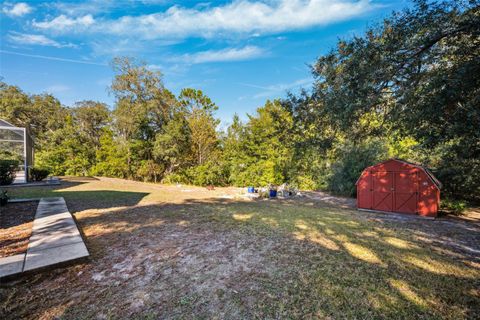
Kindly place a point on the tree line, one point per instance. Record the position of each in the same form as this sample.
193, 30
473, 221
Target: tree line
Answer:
409, 88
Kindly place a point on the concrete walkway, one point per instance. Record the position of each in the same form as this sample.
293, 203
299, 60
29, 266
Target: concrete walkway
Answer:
55, 239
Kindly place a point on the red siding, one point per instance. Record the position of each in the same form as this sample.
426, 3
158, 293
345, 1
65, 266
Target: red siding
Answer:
398, 186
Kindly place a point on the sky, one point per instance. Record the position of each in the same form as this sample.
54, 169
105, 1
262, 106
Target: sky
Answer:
240, 53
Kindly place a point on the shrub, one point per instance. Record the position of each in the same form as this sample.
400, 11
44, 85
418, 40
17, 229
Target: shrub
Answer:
38, 174
461, 178
149, 171
8, 170
456, 207
305, 183
3, 198
210, 173
351, 161
176, 177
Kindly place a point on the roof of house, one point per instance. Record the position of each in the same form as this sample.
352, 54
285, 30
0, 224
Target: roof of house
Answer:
5, 123
19, 131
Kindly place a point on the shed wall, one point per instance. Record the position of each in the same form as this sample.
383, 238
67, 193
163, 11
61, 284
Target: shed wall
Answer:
397, 186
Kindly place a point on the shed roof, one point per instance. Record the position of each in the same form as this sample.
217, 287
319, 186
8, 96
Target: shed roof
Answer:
416, 165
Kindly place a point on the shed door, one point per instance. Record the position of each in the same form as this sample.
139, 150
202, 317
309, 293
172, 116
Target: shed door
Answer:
405, 195
364, 191
382, 195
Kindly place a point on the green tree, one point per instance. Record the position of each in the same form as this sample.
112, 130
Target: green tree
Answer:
199, 111
15, 105
172, 147
233, 155
266, 148
350, 161
66, 152
111, 157
313, 139
91, 118
143, 107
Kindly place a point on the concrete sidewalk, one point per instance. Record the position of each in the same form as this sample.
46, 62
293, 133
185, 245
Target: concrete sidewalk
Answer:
55, 239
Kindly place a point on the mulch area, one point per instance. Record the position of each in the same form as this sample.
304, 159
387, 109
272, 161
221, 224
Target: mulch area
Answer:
16, 221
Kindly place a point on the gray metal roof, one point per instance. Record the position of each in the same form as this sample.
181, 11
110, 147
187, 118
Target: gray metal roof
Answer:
5, 123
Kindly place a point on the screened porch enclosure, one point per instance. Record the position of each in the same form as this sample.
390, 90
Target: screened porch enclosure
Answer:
16, 144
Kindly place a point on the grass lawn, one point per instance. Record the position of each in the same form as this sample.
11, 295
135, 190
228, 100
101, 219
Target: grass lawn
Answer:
185, 252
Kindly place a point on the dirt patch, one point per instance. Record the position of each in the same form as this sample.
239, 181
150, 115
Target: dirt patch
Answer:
16, 221
470, 215
343, 202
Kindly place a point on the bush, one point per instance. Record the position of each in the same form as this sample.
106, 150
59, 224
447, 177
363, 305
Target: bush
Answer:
456, 207
210, 173
3, 198
351, 161
461, 178
176, 177
149, 171
305, 183
8, 170
38, 174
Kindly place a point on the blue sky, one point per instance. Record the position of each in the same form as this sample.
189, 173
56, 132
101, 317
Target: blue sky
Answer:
240, 52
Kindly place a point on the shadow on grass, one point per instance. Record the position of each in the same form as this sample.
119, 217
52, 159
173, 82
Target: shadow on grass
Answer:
79, 200
302, 261
44, 191
100, 199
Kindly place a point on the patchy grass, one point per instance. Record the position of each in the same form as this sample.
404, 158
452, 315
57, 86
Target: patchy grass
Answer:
185, 252
16, 221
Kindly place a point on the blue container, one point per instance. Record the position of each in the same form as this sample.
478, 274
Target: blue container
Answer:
273, 193
251, 189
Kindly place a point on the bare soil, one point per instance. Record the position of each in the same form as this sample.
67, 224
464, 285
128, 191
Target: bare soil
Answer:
16, 221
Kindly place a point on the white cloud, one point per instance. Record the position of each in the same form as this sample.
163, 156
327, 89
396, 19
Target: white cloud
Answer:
84, 7
17, 10
112, 46
172, 70
37, 56
238, 17
63, 23
97, 6
115, 47
274, 90
223, 55
57, 88
37, 39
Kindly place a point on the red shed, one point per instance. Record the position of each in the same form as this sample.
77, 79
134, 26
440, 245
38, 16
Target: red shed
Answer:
398, 186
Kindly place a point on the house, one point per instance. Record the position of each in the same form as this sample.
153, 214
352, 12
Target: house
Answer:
17, 143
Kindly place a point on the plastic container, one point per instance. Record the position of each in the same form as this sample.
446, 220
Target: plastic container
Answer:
251, 189
273, 193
